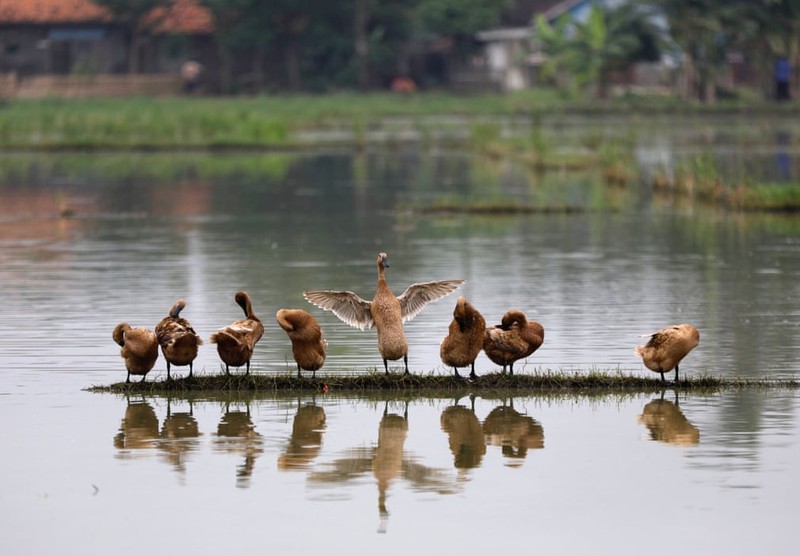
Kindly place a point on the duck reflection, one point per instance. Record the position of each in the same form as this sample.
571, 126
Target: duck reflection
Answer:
138, 430
666, 423
237, 435
514, 432
388, 461
464, 434
306, 440
178, 437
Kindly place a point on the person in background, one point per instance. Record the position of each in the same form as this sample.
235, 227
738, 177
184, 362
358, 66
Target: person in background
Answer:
190, 76
783, 72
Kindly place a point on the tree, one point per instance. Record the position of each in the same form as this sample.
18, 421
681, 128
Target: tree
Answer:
609, 40
137, 20
459, 20
776, 33
704, 31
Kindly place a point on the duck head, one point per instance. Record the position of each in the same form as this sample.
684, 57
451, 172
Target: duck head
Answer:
383, 260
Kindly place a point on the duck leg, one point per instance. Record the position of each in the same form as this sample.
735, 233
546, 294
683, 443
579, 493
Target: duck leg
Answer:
168, 377
472, 372
663, 380
386, 366
143, 377
676, 374
190, 368
455, 371
127, 381
511, 369
405, 362
247, 370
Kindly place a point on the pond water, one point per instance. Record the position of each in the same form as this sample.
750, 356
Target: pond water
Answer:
87, 241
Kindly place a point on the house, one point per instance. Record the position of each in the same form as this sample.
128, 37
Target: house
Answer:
511, 55
78, 38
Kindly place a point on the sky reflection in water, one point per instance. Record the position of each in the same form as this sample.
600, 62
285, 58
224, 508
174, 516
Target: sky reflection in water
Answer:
562, 475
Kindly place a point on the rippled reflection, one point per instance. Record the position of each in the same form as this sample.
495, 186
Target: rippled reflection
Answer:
138, 431
514, 432
237, 435
464, 434
306, 441
666, 423
387, 461
179, 437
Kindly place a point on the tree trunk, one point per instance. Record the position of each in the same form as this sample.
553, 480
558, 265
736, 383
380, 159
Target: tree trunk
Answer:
361, 43
688, 78
292, 60
259, 54
225, 68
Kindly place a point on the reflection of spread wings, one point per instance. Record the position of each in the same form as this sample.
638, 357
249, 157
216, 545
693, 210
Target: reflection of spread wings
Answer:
349, 307
416, 296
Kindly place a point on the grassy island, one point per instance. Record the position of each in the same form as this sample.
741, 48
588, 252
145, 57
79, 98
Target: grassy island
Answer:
378, 381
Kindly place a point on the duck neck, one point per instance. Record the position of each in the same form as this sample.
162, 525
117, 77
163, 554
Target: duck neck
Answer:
381, 275
247, 306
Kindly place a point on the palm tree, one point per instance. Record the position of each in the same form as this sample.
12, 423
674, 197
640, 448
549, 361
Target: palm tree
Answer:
609, 40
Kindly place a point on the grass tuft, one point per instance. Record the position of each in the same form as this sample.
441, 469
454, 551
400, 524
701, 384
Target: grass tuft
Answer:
376, 381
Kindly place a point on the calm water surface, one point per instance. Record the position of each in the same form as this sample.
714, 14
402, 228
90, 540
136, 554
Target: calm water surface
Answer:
88, 473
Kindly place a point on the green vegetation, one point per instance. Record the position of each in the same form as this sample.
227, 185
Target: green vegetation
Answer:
528, 128
701, 177
298, 121
611, 39
378, 381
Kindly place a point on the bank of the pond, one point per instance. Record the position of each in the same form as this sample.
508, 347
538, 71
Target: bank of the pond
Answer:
290, 121
378, 381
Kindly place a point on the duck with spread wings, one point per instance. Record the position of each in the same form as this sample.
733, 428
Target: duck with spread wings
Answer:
386, 312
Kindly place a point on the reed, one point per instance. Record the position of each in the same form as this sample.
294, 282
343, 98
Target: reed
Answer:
767, 197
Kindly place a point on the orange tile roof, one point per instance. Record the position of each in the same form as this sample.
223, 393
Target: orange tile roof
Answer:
185, 16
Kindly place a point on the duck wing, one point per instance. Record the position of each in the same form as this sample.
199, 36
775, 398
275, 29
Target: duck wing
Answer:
417, 296
349, 307
507, 341
660, 337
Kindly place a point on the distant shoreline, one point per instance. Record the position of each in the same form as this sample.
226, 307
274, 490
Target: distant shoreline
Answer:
292, 121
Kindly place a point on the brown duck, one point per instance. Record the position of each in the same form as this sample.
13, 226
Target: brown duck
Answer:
236, 342
177, 338
668, 347
308, 344
513, 339
464, 340
386, 312
139, 348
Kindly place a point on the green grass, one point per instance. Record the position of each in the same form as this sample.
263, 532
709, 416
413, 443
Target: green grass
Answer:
276, 121
552, 381
766, 197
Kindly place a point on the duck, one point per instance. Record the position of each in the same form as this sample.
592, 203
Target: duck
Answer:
464, 340
386, 312
177, 338
308, 344
236, 342
139, 348
667, 347
513, 339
